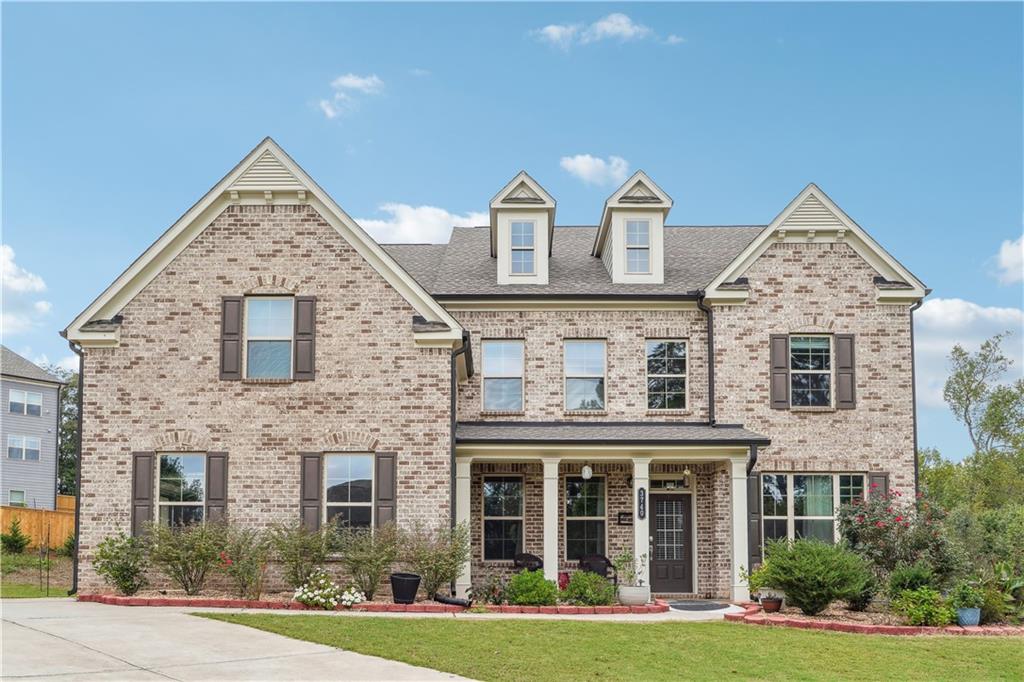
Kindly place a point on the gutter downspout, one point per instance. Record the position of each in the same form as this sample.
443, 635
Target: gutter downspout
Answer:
77, 348
464, 349
751, 459
913, 395
711, 355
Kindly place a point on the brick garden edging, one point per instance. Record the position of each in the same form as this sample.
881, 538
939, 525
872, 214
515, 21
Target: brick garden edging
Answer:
658, 606
753, 616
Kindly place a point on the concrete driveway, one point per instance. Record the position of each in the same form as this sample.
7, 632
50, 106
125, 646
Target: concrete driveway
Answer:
60, 639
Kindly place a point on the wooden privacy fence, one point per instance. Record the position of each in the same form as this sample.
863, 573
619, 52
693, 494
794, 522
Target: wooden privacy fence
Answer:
66, 503
36, 522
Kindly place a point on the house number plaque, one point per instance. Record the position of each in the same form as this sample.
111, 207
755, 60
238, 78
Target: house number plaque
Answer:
641, 503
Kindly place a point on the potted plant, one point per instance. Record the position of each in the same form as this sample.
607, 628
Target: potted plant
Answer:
757, 582
967, 600
632, 591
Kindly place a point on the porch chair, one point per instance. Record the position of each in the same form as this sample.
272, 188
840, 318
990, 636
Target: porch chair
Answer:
600, 564
530, 562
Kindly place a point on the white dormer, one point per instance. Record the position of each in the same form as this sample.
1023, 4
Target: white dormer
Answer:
631, 237
522, 223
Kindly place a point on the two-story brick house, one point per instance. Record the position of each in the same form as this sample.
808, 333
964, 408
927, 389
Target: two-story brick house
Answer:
681, 392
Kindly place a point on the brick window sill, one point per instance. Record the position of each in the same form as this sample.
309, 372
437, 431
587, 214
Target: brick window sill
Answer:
812, 409
267, 382
502, 413
585, 413
669, 413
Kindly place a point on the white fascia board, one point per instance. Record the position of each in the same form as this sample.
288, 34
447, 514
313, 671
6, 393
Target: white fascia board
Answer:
567, 303
664, 204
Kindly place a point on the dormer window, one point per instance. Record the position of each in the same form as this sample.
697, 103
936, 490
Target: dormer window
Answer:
638, 247
523, 248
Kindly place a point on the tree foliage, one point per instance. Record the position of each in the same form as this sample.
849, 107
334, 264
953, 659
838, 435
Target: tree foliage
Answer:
67, 441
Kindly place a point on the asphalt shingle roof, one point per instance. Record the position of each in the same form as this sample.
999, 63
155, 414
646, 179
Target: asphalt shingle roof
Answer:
13, 365
665, 433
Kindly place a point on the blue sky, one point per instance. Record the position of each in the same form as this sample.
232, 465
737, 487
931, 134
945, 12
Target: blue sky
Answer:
117, 117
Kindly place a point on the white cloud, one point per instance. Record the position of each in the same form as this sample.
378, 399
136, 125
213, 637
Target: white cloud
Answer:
68, 362
22, 308
418, 224
595, 170
673, 39
419, 73
369, 84
1010, 260
943, 322
615, 26
559, 35
346, 88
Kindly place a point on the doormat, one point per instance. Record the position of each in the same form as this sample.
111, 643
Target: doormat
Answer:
697, 605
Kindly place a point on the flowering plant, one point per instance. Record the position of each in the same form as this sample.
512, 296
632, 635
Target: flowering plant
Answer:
319, 591
244, 560
351, 597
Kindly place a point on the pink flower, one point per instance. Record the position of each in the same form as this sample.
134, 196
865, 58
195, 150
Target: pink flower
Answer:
874, 485
880, 524
898, 519
860, 518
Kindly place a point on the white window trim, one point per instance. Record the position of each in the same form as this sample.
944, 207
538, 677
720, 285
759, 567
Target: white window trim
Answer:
566, 376
790, 517
22, 443
484, 518
25, 401
628, 248
830, 371
11, 502
246, 338
566, 518
324, 507
521, 376
685, 375
156, 495
513, 248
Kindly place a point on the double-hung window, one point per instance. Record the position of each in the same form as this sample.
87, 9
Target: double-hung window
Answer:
666, 375
810, 371
584, 375
503, 517
584, 517
803, 505
349, 490
638, 247
269, 328
503, 376
23, 447
523, 247
25, 402
182, 484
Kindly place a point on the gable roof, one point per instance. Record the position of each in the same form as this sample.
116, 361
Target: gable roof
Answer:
265, 170
18, 367
639, 191
521, 192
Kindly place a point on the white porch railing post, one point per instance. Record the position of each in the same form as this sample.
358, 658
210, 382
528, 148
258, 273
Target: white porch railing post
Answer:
740, 591
463, 477
642, 527
551, 517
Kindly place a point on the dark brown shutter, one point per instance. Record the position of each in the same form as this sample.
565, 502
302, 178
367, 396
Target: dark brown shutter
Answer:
878, 485
779, 347
231, 337
216, 485
846, 398
305, 337
385, 484
143, 474
310, 489
754, 552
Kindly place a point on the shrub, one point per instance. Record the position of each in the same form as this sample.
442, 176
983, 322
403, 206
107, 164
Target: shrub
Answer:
368, 554
319, 591
966, 595
588, 589
437, 554
924, 606
185, 554
529, 588
121, 561
14, 542
862, 600
813, 574
910, 577
993, 605
68, 548
301, 551
244, 560
491, 591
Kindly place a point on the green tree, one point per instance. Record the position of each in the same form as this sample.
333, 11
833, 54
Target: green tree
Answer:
67, 441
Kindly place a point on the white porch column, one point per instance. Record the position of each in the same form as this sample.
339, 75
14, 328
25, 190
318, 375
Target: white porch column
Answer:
642, 527
551, 517
463, 470
740, 591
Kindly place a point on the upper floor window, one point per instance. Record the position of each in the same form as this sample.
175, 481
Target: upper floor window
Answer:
23, 447
584, 517
348, 482
16, 498
804, 505
269, 327
503, 375
666, 375
25, 402
810, 371
503, 517
638, 247
584, 375
182, 484
523, 248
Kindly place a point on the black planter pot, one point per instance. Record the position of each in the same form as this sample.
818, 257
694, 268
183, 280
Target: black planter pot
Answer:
404, 587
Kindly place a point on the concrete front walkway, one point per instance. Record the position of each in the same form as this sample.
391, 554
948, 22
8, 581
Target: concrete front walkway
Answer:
60, 639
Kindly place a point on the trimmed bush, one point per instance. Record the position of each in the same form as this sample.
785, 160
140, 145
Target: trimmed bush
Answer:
437, 555
121, 561
924, 606
244, 559
813, 574
491, 591
302, 551
14, 542
910, 577
529, 588
862, 600
588, 589
367, 555
185, 554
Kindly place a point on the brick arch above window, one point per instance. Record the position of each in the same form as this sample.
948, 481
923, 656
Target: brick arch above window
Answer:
349, 441
814, 323
272, 284
181, 440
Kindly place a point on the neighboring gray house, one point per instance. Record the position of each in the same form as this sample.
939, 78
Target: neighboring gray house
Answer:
28, 431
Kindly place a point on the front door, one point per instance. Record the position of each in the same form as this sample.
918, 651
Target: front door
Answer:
672, 546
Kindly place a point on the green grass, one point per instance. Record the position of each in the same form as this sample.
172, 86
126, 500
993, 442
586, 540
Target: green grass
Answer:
9, 590
575, 650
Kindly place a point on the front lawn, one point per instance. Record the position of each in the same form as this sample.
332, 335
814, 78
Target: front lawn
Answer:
548, 650
20, 576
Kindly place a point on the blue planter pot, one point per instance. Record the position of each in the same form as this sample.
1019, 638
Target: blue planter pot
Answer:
968, 617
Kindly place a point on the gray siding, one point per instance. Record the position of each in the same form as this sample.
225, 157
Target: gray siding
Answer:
37, 479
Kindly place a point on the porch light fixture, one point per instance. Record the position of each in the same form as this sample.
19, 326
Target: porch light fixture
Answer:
586, 473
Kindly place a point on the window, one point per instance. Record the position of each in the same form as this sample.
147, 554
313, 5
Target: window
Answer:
666, 375
810, 371
269, 324
803, 505
25, 402
584, 375
182, 489
23, 447
503, 517
638, 247
349, 490
16, 498
522, 248
503, 375
584, 517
